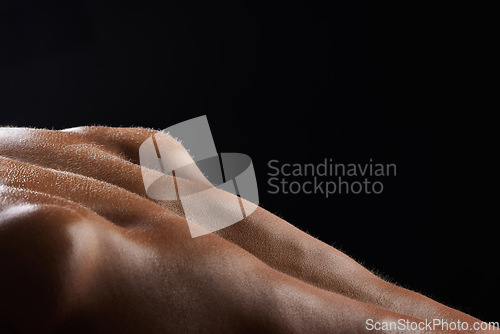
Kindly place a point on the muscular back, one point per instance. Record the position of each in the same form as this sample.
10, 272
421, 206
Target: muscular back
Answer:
82, 249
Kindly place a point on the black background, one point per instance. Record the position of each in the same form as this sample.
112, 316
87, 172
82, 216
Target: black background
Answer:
297, 82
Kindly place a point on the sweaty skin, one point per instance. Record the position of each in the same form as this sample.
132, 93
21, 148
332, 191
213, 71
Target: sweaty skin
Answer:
84, 250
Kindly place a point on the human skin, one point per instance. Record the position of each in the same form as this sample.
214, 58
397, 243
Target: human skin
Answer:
84, 250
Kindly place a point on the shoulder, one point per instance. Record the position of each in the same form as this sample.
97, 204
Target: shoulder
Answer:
36, 249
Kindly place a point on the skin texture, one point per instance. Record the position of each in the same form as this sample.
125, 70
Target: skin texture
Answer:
84, 250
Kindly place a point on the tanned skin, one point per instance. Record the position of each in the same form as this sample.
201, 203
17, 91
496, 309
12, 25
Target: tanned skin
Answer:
84, 250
